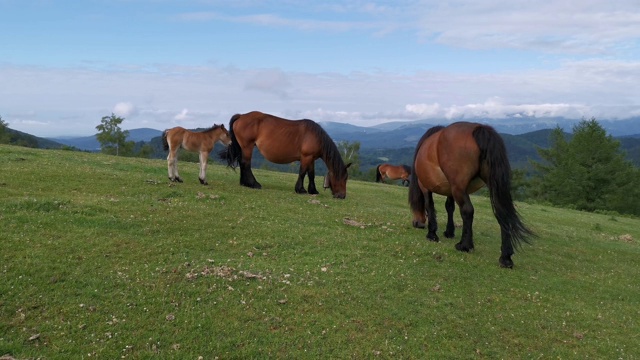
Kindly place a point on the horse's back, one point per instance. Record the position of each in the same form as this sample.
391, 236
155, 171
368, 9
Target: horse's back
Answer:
450, 159
174, 131
174, 136
279, 140
427, 167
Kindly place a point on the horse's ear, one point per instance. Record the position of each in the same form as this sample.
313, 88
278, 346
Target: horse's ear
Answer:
346, 167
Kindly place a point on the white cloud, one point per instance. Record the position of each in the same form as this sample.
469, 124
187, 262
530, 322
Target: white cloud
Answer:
272, 81
182, 116
273, 20
495, 108
425, 110
201, 96
124, 109
562, 26
559, 26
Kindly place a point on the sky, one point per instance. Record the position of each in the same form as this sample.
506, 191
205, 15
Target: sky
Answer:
193, 63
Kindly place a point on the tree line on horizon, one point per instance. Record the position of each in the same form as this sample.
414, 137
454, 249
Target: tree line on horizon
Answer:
586, 171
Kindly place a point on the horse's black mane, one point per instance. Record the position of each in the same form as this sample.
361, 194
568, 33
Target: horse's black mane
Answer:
407, 168
330, 152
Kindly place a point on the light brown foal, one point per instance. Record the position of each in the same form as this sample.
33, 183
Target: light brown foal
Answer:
201, 142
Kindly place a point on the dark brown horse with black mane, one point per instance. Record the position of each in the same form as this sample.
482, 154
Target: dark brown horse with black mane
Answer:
201, 142
456, 161
284, 141
393, 172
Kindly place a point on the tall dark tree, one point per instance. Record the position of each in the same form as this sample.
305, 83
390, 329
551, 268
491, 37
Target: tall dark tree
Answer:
5, 137
588, 172
113, 139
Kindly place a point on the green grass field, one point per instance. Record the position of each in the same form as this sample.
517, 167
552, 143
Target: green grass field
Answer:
102, 258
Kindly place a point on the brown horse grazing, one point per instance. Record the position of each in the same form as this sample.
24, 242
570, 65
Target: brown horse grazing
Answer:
456, 161
284, 141
393, 172
202, 142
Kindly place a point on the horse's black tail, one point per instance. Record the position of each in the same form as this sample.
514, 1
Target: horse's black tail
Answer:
378, 175
165, 143
408, 170
493, 153
416, 196
232, 153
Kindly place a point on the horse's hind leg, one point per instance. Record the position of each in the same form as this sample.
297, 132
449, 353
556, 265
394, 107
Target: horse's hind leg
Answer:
246, 175
203, 168
450, 206
432, 221
507, 251
466, 211
172, 166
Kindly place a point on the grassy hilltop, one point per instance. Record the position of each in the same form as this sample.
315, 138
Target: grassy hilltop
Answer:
103, 258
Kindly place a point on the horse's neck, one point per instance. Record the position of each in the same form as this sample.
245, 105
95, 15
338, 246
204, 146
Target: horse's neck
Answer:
215, 134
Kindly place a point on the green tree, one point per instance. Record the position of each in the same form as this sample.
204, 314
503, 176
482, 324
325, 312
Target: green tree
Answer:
113, 139
350, 152
588, 172
146, 151
5, 137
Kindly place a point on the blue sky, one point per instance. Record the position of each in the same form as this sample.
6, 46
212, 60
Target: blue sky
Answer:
191, 63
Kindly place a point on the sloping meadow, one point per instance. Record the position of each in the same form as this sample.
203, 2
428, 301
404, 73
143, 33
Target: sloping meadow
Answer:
102, 257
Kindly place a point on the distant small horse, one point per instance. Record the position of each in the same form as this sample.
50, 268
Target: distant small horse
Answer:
202, 142
456, 161
284, 141
393, 172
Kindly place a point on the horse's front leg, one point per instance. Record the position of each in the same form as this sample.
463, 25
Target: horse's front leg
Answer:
300, 183
172, 166
203, 168
312, 179
432, 221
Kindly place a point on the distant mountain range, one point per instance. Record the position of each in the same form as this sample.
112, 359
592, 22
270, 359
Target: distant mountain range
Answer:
513, 125
400, 133
394, 141
90, 143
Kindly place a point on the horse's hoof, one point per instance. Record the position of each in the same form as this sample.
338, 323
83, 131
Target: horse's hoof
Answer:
506, 262
449, 235
253, 186
461, 247
433, 237
203, 181
418, 224
301, 191
313, 192
178, 179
